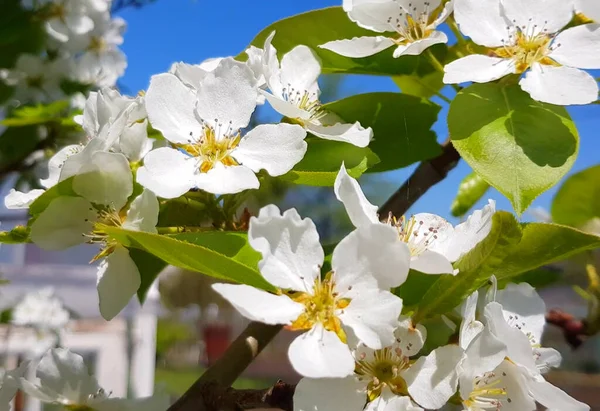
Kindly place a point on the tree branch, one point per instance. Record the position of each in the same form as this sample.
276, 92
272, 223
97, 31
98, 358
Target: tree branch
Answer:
428, 174
208, 394
574, 330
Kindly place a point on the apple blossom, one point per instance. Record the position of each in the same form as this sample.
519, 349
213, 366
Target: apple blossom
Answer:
345, 300
62, 378
294, 93
413, 22
387, 378
527, 38
432, 241
209, 151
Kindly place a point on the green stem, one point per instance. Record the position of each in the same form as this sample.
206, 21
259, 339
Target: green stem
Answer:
443, 97
434, 60
183, 229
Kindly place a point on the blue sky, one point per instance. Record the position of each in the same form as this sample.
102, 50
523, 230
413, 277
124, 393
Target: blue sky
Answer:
193, 30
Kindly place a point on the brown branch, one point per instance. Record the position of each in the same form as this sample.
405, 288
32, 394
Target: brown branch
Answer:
426, 175
574, 330
207, 394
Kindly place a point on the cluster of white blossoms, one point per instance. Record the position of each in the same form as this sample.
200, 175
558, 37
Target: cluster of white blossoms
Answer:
532, 39
62, 378
82, 46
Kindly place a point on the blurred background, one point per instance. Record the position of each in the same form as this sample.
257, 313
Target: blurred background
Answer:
184, 326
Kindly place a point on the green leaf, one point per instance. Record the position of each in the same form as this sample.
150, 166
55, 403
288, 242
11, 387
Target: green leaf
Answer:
538, 278
38, 114
64, 188
475, 268
470, 191
149, 267
544, 244
11, 154
18, 235
219, 254
317, 27
518, 145
578, 200
425, 80
182, 211
401, 125
20, 32
323, 159
414, 288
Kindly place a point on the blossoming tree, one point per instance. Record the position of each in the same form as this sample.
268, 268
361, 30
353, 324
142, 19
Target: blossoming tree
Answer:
162, 178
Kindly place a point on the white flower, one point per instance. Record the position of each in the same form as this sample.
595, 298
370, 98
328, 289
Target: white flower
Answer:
589, 8
526, 37
414, 23
36, 79
42, 310
70, 221
99, 61
66, 18
63, 379
328, 307
205, 128
9, 384
295, 94
385, 378
432, 241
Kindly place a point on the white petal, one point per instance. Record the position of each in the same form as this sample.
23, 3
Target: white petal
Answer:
410, 338
481, 20
522, 306
360, 210
578, 47
56, 163
66, 374
191, 75
553, 397
589, 8
118, 281
477, 68
372, 250
223, 179
444, 14
354, 134
546, 359
134, 142
358, 47
328, 394
258, 305
432, 380
167, 172
228, 95
300, 69
430, 262
560, 85
292, 254
74, 162
276, 148
285, 108
518, 346
319, 353
373, 316
107, 180
483, 355
63, 224
170, 105
469, 327
143, 213
469, 233
388, 401
16, 200
547, 16
373, 15
417, 47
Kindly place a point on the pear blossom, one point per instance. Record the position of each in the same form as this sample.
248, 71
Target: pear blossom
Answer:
204, 127
105, 184
36, 78
62, 378
528, 38
413, 22
389, 379
434, 244
589, 9
294, 93
345, 300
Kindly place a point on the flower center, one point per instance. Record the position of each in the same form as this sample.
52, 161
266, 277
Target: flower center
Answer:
413, 24
488, 393
321, 307
213, 148
107, 217
56, 11
383, 369
525, 50
97, 44
35, 81
304, 100
416, 234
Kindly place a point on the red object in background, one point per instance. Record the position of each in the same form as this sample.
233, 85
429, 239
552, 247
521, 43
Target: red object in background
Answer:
216, 340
